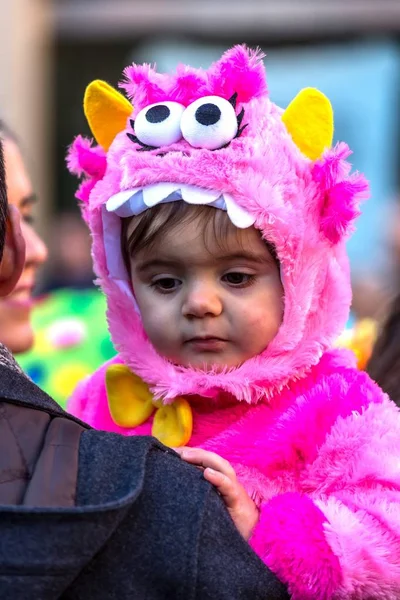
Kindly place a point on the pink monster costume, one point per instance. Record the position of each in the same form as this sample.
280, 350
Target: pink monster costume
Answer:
314, 441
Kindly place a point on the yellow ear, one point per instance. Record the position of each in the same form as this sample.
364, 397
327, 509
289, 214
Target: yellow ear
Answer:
106, 111
309, 120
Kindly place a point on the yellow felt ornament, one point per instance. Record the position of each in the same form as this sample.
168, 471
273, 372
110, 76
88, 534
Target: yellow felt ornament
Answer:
309, 120
129, 398
173, 423
106, 111
131, 404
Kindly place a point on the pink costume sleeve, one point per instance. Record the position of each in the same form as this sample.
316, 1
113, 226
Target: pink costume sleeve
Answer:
340, 537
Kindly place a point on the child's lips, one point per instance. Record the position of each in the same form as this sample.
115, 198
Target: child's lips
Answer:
207, 343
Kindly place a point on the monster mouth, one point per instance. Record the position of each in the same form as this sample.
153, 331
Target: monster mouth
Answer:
136, 200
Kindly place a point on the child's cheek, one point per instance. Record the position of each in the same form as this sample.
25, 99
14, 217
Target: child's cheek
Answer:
262, 323
158, 320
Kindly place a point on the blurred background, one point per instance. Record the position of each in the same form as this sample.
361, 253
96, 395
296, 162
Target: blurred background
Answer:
350, 49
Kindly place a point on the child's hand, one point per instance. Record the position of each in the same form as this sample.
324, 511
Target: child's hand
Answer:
221, 474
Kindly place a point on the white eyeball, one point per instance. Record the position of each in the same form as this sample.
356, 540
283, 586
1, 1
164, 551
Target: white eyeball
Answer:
209, 122
159, 124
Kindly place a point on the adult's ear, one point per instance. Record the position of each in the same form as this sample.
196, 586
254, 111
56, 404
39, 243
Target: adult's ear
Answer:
13, 259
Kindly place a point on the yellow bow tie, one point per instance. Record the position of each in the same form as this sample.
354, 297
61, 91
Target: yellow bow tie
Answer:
131, 403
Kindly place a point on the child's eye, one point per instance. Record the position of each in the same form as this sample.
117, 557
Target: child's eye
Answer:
238, 279
166, 284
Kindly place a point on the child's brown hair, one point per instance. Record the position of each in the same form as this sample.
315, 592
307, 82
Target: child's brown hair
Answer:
154, 222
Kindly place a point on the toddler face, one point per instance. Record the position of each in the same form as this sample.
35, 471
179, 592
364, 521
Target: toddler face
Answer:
204, 304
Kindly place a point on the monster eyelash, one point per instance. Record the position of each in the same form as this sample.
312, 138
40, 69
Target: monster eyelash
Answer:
144, 147
233, 99
240, 116
239, 131
239, 120
135, 139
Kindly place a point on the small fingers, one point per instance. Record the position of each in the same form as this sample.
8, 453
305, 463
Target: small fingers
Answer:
229, 489
206, 459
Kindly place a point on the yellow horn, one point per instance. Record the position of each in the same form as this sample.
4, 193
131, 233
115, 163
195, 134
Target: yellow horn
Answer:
309, 120
106, 111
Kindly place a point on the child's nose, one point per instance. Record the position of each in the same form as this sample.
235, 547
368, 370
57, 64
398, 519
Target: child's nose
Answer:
201, 301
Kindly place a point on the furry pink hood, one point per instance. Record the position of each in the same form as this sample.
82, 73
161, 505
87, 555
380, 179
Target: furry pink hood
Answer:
273, 164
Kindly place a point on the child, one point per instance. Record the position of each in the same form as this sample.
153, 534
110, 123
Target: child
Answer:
219, 224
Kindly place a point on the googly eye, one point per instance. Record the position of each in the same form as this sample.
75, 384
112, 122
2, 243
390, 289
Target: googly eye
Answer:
159, 124
209, 122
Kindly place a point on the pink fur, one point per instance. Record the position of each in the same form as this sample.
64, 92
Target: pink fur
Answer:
343, 193
297, 206
312, 440
281, 194
239, 71
321, 459
290, 539
144, 85
85, 159
187, 85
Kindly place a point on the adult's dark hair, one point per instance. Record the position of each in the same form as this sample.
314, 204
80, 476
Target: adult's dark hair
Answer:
5, 134
3, 201
384, 364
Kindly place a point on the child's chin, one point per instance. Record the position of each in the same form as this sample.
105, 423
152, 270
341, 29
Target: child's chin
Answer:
213, 366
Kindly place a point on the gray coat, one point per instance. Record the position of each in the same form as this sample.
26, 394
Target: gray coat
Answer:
87, 515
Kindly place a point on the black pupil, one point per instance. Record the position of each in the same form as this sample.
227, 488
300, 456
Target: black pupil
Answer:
157, 114
167, 283
235, 277
208, 114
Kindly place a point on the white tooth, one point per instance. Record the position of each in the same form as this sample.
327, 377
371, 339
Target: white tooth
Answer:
134, 201
157, 192
125, 210
119, 199
220, 203
195, 195
239, 217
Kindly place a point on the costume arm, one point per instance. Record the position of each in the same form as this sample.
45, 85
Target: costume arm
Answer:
341, 540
